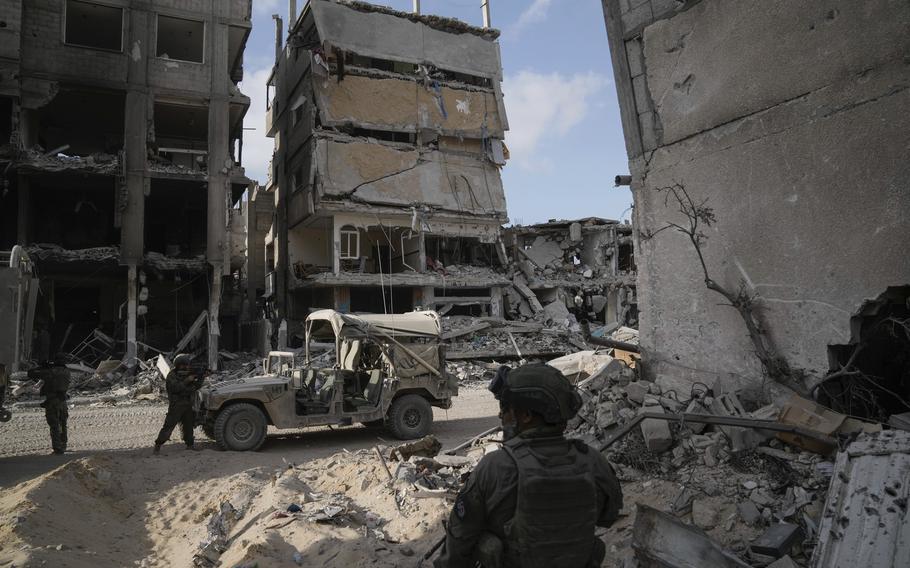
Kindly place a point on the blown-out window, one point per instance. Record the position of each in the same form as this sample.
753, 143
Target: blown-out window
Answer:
93, 25
180, 39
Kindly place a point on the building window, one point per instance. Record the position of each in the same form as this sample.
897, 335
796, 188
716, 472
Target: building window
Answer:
297, 180
180, 39
350, 243
94, 25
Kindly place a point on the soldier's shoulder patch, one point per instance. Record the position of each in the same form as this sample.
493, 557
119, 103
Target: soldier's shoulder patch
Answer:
460, 508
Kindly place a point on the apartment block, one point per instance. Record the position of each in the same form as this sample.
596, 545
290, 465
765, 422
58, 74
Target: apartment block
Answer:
121, 149
388, 130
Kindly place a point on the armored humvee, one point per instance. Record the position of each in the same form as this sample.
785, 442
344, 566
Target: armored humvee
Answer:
389, 370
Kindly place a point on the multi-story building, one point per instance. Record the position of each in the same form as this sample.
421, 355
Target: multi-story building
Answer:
121, 133
388, 131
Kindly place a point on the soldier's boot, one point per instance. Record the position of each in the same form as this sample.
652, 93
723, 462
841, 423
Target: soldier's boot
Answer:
157, 450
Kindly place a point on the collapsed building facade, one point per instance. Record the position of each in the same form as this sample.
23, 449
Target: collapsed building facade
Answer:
120, 145
590, 259
388, 133
793, 133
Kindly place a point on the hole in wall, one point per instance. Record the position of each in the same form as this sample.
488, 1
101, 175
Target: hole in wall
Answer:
870, 375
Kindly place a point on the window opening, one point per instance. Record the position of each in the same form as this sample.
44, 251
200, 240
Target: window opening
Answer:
180, 39
94, 25
350, 243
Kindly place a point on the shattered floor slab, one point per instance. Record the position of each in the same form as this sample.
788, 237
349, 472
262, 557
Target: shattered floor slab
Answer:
865, 520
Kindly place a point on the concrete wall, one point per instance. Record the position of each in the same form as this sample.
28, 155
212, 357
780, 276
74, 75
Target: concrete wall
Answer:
392, 175
391, 37
407, 105
45, 53
790, 118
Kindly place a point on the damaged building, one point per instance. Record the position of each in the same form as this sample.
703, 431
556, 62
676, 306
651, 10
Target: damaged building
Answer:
590, 259
388, 131
789, 138
120, 146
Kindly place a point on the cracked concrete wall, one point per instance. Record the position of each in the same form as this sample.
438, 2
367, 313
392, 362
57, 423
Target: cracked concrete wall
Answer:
386, 36
406, 105
790, 119
401, 175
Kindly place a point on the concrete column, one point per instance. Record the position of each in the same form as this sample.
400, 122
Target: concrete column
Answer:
422, 253
496, 310
342, 299
131, 294
135, 135
428, 297
220, 165
23, 215
135, 132
214, 328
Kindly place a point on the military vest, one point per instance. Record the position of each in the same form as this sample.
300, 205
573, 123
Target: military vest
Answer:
556, 511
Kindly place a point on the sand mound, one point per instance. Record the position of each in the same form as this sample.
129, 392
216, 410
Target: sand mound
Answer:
185, 509
350, 515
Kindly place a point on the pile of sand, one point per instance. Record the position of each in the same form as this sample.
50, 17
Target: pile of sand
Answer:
132, 510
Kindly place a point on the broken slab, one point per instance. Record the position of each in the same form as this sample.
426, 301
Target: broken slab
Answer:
662, 541
557, 312
581, 364
544, 251
527, 293
658, 437
865, 515
728, 404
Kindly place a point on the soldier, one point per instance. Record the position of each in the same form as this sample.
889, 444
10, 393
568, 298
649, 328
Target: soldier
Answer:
181, 383
5, 415
536, 502
56, 381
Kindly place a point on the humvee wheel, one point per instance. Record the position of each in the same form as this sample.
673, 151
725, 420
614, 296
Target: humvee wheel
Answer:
410, 417
240, 427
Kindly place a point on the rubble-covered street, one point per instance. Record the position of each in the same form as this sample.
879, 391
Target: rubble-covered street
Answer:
357, 284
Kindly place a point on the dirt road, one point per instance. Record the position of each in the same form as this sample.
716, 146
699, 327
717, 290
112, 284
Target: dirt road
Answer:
25, 443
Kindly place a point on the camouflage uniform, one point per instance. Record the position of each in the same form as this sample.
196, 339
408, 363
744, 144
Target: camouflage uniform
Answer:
182, 384
56, 382
535, 503
4, 380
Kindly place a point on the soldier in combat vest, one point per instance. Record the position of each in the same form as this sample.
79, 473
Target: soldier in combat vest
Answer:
56, 381
537, 502
181, 383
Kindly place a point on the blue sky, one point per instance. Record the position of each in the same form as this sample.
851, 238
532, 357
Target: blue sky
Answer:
565, 139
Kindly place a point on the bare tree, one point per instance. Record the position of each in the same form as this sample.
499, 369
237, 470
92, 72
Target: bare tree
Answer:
699, 215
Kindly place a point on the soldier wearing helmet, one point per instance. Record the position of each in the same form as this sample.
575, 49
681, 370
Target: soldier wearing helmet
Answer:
537, 502
181, 383
55, 379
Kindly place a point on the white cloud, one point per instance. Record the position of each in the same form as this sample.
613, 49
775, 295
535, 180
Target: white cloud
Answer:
535, 13
545, 104
270, 6
257, 147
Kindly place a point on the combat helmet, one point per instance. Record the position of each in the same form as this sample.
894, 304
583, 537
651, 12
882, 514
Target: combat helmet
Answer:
540, 388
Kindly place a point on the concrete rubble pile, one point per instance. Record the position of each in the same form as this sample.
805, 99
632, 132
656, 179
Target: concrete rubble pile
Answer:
478, 346
110, 382
755, 494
